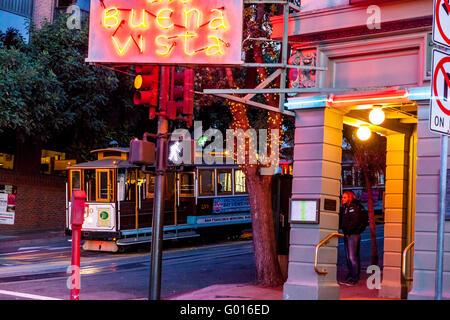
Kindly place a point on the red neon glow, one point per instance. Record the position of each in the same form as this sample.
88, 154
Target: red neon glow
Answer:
218, 22
122, 49
109, 17
162, 16
143, 24
376, 97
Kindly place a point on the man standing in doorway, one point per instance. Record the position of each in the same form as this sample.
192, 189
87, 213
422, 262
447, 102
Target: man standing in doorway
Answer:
353, 220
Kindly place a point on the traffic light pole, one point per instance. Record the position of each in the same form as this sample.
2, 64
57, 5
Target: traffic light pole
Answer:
158, 205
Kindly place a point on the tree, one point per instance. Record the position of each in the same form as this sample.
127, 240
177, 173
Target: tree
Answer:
50, 95
256, 25
370, 159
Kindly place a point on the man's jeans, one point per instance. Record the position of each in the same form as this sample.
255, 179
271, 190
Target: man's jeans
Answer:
351, 246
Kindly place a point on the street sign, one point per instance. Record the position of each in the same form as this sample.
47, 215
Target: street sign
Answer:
440, 93
167, 32
441, 23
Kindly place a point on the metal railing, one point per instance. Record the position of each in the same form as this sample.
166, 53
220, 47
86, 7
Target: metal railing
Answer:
321, 243
405, 253
19, 7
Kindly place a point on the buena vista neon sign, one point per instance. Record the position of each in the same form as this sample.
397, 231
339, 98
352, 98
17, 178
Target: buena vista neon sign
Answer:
166, 31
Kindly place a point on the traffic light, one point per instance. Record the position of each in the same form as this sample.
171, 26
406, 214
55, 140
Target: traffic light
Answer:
146, 83
182, 96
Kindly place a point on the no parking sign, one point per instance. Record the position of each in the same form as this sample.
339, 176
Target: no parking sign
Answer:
440, 93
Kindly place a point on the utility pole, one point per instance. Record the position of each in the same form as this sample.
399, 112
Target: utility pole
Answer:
158, 204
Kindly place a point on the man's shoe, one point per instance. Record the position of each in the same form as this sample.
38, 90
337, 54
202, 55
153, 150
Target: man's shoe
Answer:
350, 283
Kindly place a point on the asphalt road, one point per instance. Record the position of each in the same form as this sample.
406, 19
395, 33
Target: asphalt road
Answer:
40, 271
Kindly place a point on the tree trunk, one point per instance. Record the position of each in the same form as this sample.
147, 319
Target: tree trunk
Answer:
373, 232
266, 261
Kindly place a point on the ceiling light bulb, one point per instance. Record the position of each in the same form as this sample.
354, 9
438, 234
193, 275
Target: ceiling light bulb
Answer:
363, 133
376, 116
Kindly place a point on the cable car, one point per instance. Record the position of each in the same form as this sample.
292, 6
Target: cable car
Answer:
198, 200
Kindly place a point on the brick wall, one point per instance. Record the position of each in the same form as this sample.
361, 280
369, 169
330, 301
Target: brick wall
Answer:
43, 10
40, 202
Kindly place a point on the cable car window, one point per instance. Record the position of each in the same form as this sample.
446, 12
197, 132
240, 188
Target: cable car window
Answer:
74, 181
75, 178
186, 184
121, 179
104, 185
239, 181
150, 186
207, 182
224, 181
90, 184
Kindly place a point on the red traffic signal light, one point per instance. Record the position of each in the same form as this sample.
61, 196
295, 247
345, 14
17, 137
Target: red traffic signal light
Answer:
147, 82
182, 96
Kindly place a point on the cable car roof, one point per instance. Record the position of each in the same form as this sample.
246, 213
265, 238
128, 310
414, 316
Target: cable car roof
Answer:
104, 164
127, 150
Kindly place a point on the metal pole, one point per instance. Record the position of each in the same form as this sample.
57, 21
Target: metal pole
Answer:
441, 222
284, 53
158, 204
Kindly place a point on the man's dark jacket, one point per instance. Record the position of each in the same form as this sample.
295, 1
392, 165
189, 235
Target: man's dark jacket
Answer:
353, 218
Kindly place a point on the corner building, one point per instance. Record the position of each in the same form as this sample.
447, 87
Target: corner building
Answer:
369, 63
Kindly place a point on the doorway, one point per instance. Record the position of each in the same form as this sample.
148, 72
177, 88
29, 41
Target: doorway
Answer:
393, 191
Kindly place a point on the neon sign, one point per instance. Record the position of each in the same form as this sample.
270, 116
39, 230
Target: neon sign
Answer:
166, 31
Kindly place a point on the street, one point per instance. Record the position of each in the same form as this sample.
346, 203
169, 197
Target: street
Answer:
39, 272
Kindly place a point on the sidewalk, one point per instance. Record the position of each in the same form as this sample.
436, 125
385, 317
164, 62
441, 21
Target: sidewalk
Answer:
232, 292
254, 292
24, 238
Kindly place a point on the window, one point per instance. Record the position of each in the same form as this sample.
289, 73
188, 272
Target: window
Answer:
207, 182
347, 176
54, 162
186, 181
75, 181
239, 181
150, 185
6, 161
90, 184
104, 185
224, 181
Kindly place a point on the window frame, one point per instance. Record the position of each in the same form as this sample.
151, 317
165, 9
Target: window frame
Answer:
110, 187
235, 180
71, 181
213, 180
224, 170
186, 195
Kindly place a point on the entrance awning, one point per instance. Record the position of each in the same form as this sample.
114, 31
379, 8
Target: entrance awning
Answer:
361, 98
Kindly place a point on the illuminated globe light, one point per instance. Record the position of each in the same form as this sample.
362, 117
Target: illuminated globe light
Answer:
376, 116
363, 133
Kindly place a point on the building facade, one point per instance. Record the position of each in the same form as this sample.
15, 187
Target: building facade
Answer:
376, 54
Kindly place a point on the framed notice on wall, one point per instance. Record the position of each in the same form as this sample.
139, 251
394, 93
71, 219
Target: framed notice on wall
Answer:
304, 211
7, 204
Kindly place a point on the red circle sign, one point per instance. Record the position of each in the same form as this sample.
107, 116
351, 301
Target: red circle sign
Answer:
440, 67
438, 19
